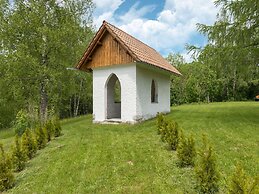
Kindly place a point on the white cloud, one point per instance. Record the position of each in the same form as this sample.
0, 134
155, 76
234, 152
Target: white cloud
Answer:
174, 27
135, 12
105, 10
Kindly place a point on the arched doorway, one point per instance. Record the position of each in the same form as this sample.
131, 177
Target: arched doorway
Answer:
113, 97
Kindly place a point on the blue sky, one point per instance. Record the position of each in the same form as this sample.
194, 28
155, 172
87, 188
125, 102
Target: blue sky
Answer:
166, 25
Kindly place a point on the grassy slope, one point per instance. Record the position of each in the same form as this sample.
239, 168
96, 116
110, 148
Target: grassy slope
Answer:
92, 158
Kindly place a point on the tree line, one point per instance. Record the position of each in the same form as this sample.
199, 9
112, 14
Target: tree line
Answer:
227, 68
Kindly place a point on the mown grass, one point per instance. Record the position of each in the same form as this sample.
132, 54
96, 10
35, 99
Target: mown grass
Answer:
92, 158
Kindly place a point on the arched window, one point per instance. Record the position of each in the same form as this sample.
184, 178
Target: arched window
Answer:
154, 95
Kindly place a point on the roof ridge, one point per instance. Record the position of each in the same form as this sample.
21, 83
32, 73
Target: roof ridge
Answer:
121, 41
129, 35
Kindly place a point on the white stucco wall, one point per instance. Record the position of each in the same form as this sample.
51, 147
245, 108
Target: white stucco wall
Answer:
145, 74
135, 80
127, 77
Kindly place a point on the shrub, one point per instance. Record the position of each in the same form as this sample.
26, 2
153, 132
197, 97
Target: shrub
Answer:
57, 127
29, 145
49, 129
21, 122
161, 122
186, 151
41, 137
240, 183
207, 176
18, 156
163, 131
172, 134
6, 175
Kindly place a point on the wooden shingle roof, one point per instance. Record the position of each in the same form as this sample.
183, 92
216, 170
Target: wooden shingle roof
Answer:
138, 50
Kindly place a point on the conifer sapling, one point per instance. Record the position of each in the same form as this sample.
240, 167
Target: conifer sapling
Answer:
41, 137
160, 122
207, 176
29, 145
18, 156
241, 183
57, 127
6, 175
186, 152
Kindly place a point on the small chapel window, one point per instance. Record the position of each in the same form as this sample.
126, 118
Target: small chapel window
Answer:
154, 95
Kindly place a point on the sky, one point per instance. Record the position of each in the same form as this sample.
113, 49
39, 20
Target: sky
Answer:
165, 25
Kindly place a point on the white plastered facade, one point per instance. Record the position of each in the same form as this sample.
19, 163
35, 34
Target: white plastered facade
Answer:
135, 81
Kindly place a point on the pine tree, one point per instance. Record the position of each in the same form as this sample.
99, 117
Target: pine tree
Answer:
6, 175
207, 176
29, 145
41, 137
172, 135
186, 151
163, 131
240, 183
161, 122
18, 156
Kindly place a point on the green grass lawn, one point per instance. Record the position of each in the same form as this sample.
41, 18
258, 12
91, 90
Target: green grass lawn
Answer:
92, 158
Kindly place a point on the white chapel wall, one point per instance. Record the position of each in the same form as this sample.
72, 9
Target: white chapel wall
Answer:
145, 108
127, 77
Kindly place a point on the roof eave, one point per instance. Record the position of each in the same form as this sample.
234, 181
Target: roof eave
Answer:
164, 69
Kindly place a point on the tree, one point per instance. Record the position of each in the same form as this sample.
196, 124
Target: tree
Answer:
29, 145
18, 156
240, 183
207, 176
41, 137
160, 121
186, 151
57, 127
6, 174
172, 134
233, 48
39, 39
175, 59
21, 122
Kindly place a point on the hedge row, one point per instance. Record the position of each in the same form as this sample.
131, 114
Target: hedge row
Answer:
25, 147
206, 170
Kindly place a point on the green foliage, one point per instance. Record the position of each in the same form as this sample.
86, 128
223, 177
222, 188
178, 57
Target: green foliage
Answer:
207, 175
49, 128
227, 67
163, 131
240, 183
39, 40
232, 50
161, 122
18, 156
172, 134
6, 175
175, 59
21, 122
41, 137
57, 127
29, 144
186, 152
